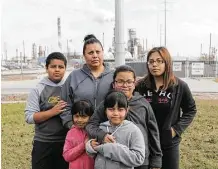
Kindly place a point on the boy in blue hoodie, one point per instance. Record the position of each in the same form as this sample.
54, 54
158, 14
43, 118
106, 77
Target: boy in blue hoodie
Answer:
42, 109
129, 149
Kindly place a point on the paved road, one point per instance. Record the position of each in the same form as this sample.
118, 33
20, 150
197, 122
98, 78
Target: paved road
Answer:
16, 87
202, 85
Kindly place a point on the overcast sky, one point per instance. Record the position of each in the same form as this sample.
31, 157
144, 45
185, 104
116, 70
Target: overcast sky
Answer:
189, 23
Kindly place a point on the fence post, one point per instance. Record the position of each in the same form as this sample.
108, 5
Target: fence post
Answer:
187, 68
216, 72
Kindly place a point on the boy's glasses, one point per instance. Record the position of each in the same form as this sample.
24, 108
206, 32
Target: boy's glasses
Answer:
120, 83
158, 62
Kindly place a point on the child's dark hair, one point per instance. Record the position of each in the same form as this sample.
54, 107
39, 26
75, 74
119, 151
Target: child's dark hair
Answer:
83, 107
124, 68
114, 97
90, 39
55, 55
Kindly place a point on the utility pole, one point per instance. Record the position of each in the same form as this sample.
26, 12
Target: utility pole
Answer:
209, 49
21, 65
160, 34
201, 50
216, 73
5, 51
165, 23
24, 51
17, 55
59, 34
119, 33
2, 59
67, 49
103, 39
143, 43
6, 54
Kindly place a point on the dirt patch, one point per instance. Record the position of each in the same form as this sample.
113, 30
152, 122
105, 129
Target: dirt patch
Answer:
18, 77
206, 96
216, 80
13, 97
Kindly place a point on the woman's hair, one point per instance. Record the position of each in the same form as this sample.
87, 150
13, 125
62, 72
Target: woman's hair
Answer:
90, 39
168, 75
115, 97
83, 107
124, 68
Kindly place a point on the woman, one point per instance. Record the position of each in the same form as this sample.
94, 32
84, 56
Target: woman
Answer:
140, 113
167, 95
91, 82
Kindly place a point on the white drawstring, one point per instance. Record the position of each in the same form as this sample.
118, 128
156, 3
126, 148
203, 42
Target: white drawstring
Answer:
115, 130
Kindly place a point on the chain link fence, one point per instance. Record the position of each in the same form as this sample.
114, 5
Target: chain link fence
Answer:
192, 69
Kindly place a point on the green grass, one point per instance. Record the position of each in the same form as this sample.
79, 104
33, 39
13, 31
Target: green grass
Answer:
16, 137
199, 147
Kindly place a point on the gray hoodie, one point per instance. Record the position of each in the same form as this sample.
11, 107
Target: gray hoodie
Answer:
141, 114
126, 153
42, 98
81, 84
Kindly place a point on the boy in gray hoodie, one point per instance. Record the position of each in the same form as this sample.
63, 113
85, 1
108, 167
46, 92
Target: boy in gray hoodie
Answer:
128, 150
42, 109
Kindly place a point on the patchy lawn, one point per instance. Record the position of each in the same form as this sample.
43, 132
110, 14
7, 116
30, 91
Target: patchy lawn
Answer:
199, 147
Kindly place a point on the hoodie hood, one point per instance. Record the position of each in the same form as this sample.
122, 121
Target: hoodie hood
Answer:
107, 124
116, 130
134, 100
48, 82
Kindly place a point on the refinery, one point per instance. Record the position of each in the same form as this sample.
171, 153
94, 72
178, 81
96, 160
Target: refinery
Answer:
135, 50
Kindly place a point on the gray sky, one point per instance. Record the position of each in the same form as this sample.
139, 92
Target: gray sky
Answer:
189, 23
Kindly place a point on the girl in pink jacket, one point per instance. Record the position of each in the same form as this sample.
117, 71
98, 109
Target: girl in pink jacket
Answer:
74, 148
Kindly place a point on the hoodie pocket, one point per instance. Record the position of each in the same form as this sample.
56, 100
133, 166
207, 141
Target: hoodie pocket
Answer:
166, 137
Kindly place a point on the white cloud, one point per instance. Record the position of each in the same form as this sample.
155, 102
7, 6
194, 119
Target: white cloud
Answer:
189, 23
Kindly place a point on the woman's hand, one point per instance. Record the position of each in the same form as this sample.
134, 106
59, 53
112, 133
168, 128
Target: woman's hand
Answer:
173, 132
94, 144
109, 139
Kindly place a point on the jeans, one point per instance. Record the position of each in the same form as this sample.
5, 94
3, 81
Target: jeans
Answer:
170, 159
142, 167
48, 155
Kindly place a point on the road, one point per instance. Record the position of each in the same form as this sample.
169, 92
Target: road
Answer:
16, 87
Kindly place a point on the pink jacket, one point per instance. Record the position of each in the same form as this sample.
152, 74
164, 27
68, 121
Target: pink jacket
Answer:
74, 150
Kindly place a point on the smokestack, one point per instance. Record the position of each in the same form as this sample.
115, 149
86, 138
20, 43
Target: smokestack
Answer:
34, 51
17, 54
40, 51
59, 34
